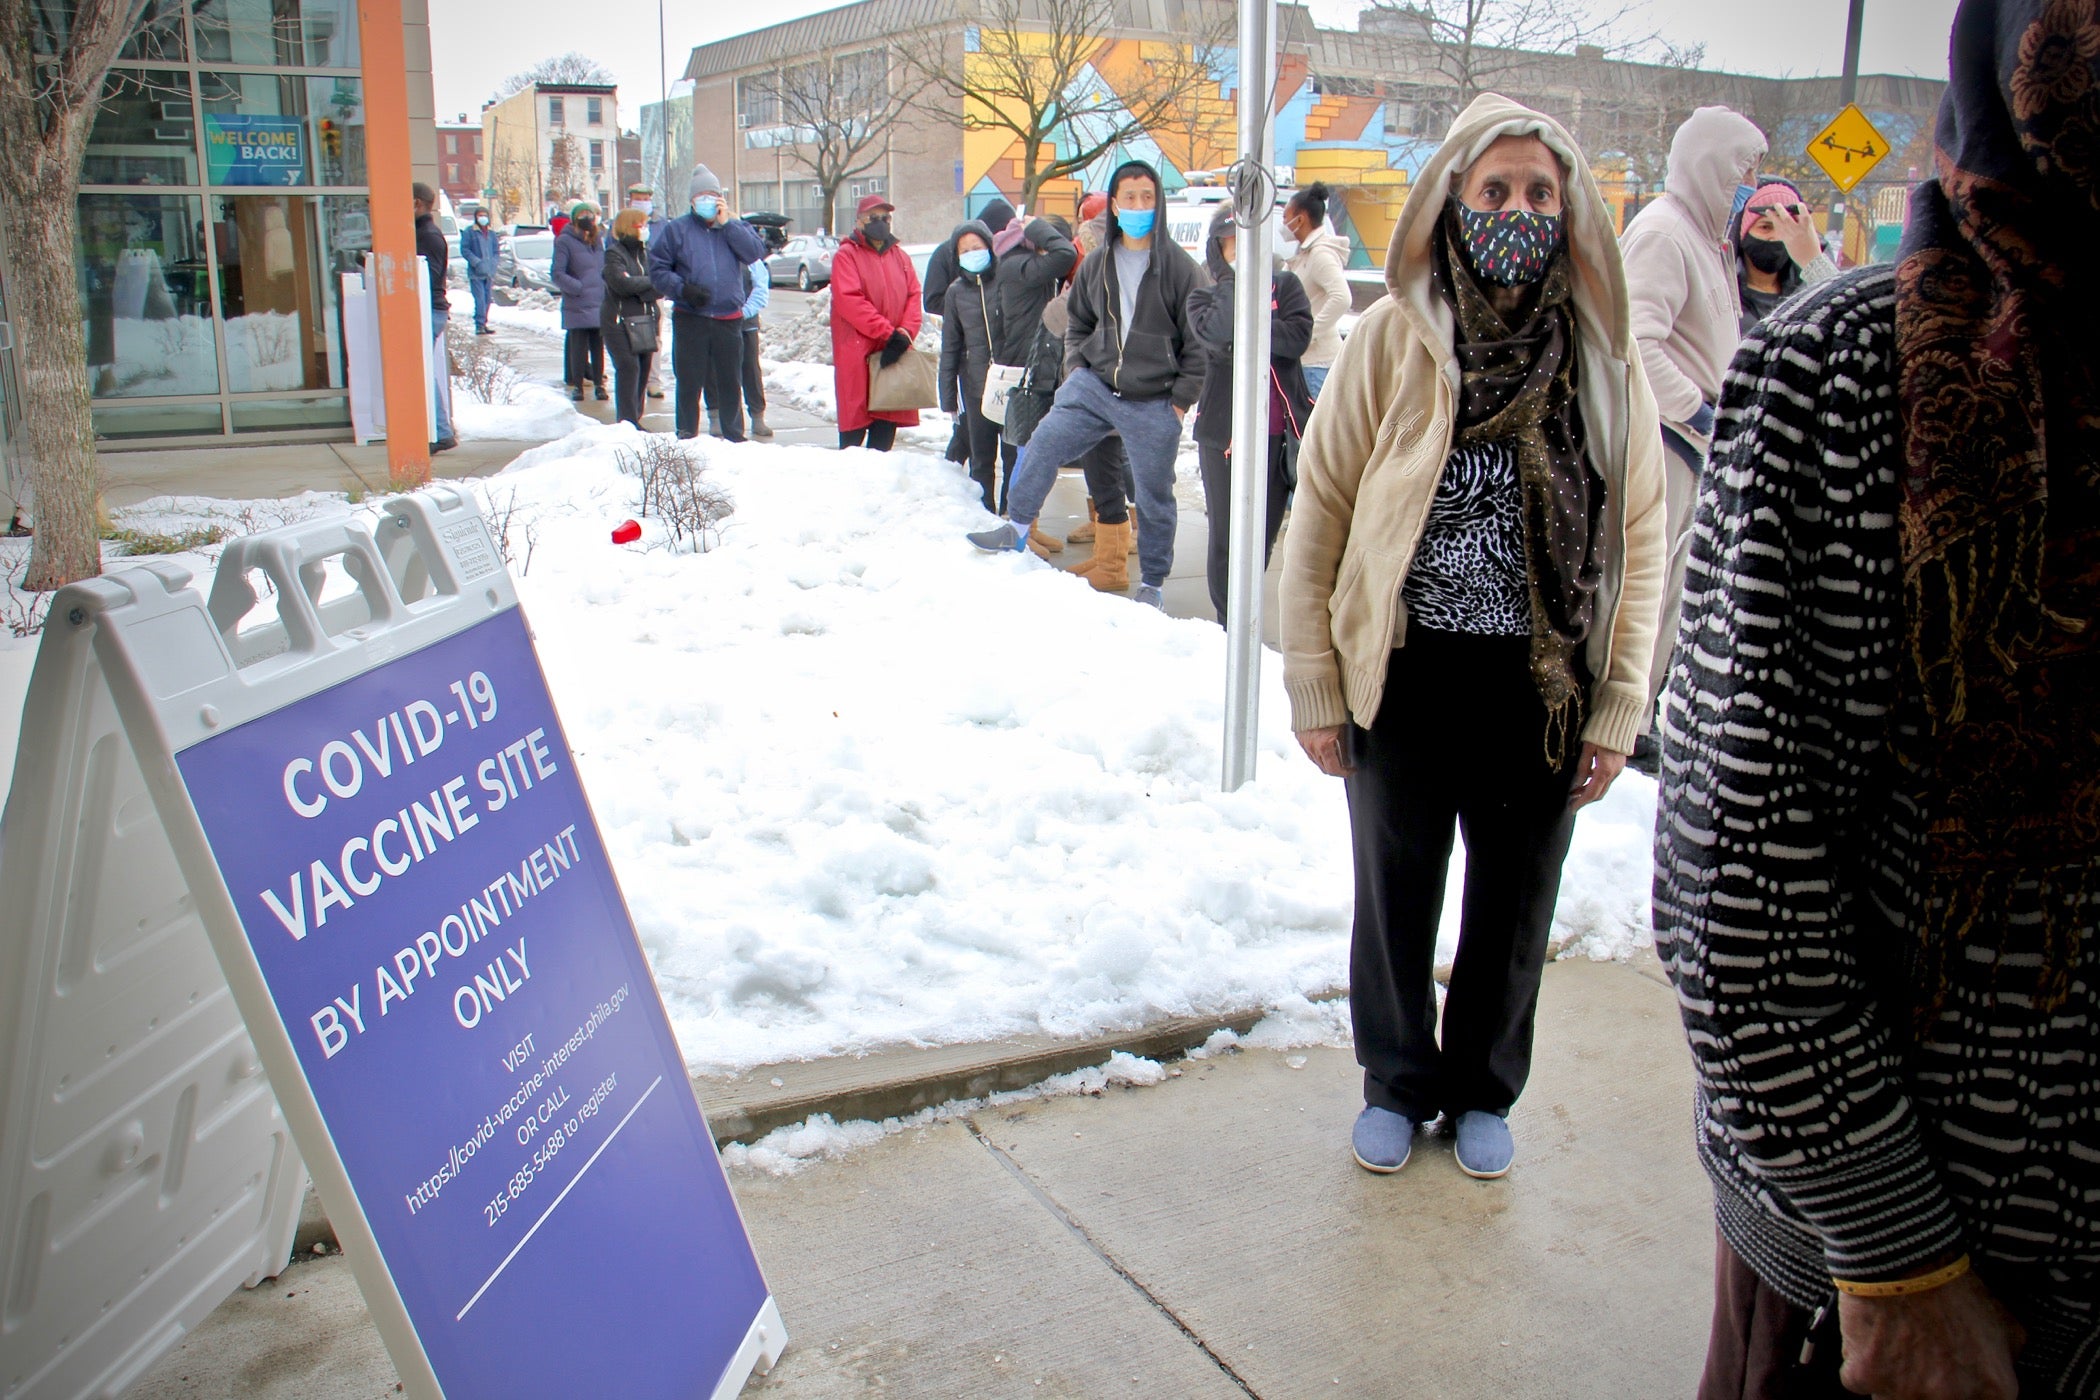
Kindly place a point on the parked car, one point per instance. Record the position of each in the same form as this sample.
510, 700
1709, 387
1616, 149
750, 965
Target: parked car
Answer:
527, 260
804, 260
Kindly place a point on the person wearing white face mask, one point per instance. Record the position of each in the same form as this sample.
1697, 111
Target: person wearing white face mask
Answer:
1320, 260
643, 199
481, 247
697, 263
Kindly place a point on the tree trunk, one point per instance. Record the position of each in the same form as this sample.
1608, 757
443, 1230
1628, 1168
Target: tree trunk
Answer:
56, 439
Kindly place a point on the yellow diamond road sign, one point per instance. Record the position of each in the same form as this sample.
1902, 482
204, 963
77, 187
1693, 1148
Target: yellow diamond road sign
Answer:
1848, 148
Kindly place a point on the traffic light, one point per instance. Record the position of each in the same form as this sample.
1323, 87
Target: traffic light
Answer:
331, 139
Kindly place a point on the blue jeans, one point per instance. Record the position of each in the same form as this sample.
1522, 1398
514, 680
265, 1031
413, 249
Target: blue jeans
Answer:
479, 286
1315, 376
441, 374
1085, 412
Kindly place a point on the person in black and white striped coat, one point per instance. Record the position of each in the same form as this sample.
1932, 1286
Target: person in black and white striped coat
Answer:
1878, 840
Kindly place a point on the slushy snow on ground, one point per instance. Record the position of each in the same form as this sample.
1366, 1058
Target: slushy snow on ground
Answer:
865, 786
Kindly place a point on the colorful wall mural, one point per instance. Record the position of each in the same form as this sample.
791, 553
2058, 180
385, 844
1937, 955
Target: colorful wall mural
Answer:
1343, 139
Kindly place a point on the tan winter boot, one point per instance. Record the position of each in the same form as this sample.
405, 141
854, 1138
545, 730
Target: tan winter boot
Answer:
1043, 542
1110, 571
1084, 534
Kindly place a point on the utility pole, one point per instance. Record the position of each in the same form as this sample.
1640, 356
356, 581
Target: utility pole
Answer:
663, 82
1848, 92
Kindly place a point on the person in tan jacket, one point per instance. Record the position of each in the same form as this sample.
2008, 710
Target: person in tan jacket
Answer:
1320, 263
1470, 588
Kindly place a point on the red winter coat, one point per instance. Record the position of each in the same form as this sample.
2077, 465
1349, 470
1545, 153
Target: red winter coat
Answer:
872, 294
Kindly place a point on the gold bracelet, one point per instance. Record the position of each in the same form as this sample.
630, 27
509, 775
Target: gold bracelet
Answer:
1904, 1287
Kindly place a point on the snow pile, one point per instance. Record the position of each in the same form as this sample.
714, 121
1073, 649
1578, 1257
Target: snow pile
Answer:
539, 320
865, 786
805, 338
536, 413
819, 1138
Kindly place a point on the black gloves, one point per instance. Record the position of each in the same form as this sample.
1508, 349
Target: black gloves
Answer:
893, 350
695, 295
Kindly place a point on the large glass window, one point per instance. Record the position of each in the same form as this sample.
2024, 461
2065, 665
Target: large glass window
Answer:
287, 33
145, 132
266, 129
145, 295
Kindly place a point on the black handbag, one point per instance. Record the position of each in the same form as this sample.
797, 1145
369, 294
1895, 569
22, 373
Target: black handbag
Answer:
641, 333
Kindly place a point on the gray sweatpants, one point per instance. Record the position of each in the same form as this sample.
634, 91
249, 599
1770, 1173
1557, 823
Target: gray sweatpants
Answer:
1085, 412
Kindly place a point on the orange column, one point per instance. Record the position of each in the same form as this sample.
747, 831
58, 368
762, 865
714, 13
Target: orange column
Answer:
390, 169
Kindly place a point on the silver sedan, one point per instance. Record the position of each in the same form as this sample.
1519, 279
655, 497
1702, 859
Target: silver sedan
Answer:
804, 260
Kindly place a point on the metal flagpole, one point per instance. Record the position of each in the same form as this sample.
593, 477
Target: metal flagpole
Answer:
1848, 90
1254, 198
663, 119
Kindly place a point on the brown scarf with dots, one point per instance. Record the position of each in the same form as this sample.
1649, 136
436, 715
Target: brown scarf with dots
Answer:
1517, 386
1996, 301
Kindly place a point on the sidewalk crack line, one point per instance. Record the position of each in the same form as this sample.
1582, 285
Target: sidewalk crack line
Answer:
1065, 1218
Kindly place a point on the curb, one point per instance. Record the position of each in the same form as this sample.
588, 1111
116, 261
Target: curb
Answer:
893, 1083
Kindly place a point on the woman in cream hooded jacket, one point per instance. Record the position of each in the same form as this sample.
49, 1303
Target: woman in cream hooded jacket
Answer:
1456, 732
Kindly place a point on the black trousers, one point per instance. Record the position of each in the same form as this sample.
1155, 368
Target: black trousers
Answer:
1107, 471
878, 436
1217, 511
707, 353
583, 357
986, 454
754, 376
1458, 744
630, 378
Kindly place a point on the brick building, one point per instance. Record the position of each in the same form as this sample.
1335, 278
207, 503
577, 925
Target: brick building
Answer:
459, 159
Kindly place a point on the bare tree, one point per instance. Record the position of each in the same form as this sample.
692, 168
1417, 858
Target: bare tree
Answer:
1027, 77
1488, 45
836, 113
1202, 122
561, 70
51, 85
567, 174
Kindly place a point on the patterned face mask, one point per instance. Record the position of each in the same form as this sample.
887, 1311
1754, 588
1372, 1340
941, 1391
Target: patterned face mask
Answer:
1510, 247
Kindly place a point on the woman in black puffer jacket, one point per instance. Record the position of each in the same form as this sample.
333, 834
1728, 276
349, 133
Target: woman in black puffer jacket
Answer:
967, 337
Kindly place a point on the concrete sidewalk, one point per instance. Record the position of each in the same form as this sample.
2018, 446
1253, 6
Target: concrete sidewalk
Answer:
1208, 1237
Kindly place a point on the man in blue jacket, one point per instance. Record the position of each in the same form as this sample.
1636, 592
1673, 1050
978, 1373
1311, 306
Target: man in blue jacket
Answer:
697, 262
482, 247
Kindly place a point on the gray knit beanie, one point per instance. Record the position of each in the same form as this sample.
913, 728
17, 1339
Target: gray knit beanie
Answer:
703, 182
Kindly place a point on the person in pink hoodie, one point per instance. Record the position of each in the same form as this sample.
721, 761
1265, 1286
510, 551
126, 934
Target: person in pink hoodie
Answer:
1687, 314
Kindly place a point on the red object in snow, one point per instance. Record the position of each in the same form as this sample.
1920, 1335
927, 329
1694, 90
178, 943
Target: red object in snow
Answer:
627, 532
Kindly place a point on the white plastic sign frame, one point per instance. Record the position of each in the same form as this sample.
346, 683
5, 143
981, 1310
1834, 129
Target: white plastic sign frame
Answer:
381, 823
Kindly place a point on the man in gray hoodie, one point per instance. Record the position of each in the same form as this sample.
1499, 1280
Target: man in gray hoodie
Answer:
1133, 368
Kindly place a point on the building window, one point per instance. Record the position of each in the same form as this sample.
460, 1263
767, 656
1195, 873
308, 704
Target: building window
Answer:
757, 196
554, 112
451, 174
757, 101
145, 132
597, 156
284, 33
451, 144
594, 111
262, 129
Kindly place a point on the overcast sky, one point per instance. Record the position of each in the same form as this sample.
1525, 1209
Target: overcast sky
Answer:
478, 42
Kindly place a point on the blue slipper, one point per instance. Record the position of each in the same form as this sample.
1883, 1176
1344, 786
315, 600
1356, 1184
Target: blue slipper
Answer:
1484, 1148
1382, 1140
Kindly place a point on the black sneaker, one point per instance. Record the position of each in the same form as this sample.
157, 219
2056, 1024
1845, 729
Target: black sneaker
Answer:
444, 444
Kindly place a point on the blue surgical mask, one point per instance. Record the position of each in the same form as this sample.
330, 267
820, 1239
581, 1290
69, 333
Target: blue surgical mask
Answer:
976, 260
647, 206
706, 207
1137, 223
